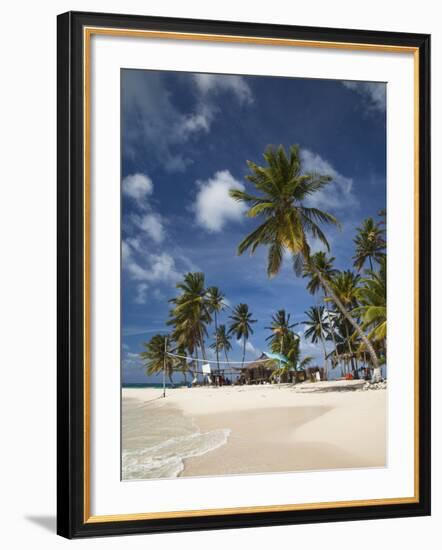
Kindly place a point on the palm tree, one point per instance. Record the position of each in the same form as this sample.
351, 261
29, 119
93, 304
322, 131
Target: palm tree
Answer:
323, 264
190, 314
281, 339
288, 223
291, 349
305, 362
215, 304
156, 356
372, 296
370, 243
346, 339
318, 328
241, 325
181, 363
280, 327
222, 342
345, 286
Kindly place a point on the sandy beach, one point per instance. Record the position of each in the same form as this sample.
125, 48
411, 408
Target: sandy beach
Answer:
252, 429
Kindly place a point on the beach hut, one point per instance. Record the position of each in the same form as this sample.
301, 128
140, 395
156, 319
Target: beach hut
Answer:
259, 372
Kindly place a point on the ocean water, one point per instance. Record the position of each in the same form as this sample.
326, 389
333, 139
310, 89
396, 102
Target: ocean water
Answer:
157, 438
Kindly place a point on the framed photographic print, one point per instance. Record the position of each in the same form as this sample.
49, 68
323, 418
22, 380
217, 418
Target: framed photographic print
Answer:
230, 199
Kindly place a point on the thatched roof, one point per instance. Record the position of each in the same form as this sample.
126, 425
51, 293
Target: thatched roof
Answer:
267, 364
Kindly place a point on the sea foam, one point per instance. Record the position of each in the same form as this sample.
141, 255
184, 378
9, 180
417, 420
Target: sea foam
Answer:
157, 440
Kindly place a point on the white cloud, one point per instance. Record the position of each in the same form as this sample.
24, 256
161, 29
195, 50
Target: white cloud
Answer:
200, 121
152, 122
155, 124
162, 268
155, 267
338, 194
158, 295
374, 93
137, 186
213, 205
131, 360
212, 83
141, 295
249, 347
152, 224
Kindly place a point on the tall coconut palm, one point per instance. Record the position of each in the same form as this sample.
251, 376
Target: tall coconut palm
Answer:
370, 243
222, 342
241, 326
317, 328
215, 304
156, 356
190, 314
287, 222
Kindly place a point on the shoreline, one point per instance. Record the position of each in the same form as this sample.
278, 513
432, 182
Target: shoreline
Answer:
274, 429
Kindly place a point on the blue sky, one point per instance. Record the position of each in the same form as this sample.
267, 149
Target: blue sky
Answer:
185, 141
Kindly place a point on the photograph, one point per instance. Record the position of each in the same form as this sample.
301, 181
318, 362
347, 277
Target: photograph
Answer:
253, 274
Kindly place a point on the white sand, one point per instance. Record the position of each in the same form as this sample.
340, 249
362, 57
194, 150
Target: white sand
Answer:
279, 429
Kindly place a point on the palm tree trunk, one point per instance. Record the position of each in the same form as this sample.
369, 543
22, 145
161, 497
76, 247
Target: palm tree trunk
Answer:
197, 363
227, 359
332, 332
169, 375
350, 319
350, 350
323, 343
243, 352
216, 339
325, 358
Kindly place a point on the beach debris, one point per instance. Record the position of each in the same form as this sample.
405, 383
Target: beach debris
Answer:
381, 385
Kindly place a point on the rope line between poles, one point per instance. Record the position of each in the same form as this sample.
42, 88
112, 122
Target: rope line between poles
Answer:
216, 362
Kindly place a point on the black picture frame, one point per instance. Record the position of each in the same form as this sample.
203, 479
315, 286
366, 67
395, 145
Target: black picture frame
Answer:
72, 520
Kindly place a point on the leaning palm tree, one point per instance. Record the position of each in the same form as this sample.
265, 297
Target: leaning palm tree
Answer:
317, 328
156, 356
215, 304
241, 326
370, 244
287, 222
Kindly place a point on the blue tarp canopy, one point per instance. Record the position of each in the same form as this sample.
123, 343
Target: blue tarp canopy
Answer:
277, 356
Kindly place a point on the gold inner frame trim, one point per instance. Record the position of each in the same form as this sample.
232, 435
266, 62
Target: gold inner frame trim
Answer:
87, 34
